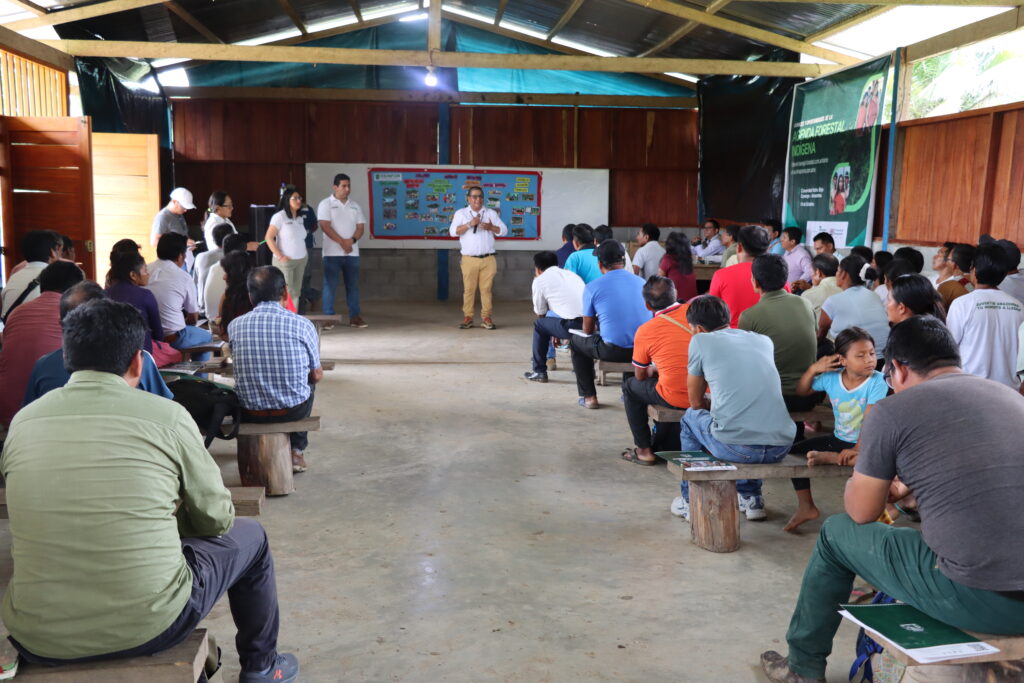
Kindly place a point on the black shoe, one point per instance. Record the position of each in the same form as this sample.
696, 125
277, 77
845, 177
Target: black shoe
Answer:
541, 377
284, 669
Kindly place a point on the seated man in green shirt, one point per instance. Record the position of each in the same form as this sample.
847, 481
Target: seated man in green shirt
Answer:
106, 563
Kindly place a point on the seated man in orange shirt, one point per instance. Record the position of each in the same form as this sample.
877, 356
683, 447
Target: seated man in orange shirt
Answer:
660, 355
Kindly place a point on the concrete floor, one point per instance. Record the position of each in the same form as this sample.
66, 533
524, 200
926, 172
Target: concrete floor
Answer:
458, 523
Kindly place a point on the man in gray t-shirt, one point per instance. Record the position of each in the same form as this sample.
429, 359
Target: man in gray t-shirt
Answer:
748, 421
954, 441
171, 219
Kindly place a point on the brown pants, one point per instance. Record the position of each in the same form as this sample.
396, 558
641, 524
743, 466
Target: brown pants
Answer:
478, 272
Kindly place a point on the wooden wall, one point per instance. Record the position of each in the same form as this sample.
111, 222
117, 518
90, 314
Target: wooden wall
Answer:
46, 182
126, 192
963, 176
248, 148
28, 88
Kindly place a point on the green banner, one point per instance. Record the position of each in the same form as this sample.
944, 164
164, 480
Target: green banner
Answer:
833, 153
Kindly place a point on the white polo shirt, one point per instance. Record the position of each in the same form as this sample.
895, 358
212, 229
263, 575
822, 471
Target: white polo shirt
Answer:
344, 218
291, 235
481, 242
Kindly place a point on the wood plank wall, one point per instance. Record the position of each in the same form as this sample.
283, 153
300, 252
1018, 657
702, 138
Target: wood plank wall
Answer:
28, 88
249, 148
47, 183
126, 187
963, 176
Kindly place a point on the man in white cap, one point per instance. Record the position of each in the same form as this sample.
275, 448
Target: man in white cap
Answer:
171, 218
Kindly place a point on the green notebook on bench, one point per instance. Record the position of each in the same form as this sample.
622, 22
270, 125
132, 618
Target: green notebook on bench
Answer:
915, 633
695, 461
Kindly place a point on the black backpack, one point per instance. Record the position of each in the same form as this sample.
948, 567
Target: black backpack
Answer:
209, 404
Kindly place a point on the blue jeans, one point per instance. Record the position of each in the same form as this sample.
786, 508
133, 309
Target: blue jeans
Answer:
193, 336
695, 435
348, 266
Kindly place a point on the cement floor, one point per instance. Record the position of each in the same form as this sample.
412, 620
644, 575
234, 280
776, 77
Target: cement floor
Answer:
458, 523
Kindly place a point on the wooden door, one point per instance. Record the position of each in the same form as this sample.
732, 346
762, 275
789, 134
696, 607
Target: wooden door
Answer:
126, 186
47, 183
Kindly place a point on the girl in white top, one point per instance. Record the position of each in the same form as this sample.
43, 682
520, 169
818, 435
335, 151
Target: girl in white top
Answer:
855, 306
286, 237
219, 212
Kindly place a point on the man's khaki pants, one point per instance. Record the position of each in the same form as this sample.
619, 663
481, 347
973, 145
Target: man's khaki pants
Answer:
478, 272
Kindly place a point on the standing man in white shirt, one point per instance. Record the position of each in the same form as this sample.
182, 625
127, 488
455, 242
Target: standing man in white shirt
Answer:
343, 223
558, 303
709, 248
985, 322
647, 258
476, 228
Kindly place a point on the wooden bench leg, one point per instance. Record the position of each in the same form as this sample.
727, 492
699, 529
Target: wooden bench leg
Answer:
714, 516
266, 460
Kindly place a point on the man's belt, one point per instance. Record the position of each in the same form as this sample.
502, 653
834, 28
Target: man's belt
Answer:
277, 412
480, 255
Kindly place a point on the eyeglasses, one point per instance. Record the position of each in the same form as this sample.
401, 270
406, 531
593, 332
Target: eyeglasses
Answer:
476, 196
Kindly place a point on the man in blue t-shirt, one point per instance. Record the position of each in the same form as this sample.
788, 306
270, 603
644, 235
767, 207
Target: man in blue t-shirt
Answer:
583, 261
615, 303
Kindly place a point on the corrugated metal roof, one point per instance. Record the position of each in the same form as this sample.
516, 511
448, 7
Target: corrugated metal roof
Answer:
793, 19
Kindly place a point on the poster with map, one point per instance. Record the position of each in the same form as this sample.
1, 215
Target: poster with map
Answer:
411, 203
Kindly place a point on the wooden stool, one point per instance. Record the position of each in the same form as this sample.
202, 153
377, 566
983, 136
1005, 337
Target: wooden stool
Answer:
606, 366
265, 454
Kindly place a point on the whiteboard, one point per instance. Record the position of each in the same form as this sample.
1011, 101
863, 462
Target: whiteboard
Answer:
568, 195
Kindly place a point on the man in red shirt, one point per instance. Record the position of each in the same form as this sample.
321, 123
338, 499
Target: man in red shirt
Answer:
32, 330
734, 285
660, 354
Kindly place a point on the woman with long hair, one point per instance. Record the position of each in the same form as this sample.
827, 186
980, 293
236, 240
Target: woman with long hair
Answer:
677, 265
911, 295
286, 238
218, 213
235, 302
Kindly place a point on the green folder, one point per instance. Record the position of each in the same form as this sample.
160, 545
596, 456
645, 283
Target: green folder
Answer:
920, 636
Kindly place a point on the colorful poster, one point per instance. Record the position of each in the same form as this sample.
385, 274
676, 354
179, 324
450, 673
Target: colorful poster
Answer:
420, 203
833, 153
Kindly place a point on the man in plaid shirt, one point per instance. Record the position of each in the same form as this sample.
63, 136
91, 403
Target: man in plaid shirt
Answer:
277, 359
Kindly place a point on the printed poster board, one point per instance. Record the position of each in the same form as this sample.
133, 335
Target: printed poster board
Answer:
419, 203
833, 153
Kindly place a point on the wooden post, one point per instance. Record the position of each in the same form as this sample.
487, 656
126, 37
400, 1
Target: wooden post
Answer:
714, 516
266, 460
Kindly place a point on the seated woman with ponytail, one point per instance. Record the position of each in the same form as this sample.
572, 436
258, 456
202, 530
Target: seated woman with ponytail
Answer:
856, 305
911, 295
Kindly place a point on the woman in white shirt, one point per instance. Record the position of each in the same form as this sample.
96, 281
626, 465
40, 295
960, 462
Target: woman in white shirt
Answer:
286, 237
218, 213
855, 306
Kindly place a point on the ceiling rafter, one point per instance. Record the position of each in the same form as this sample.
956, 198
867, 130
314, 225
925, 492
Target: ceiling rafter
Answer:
377, 57
47, 54
357, 10
29, 6
188, 18
841, 26
683, 30
997, 25
740, 29
500, 12
296, 18
65, 16
567, 15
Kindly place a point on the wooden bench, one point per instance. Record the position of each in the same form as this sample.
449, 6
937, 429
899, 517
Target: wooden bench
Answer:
820, 413
218, 348
714, 516
980, 669
248, 501
227, 369
606, 366
181, 664
265, 453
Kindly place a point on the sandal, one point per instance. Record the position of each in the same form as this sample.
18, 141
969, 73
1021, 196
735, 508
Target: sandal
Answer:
630, 455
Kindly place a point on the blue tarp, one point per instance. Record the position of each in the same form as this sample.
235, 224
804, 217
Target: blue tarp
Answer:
412, 36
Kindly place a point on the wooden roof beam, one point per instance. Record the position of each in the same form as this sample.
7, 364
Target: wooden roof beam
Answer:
567, 15
189, 19
431, 95
33, 49
79, 13
434, 26
740, 29
357, 10
289, 9
1004, 22
329, 55
502, 4
683, 30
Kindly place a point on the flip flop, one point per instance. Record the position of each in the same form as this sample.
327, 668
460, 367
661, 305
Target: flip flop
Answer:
629, 455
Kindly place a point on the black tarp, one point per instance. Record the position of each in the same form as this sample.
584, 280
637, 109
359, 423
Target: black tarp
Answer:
744, 130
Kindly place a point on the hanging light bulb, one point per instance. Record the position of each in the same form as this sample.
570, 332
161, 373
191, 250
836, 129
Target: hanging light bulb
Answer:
431, 78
